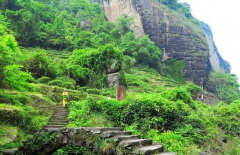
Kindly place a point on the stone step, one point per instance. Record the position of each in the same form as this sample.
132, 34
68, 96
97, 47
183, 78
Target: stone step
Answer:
59, 115
108, 134
52, 129
57, 123
111, 129
54, 126
60, 105
119, 138
58, 119
168, 153
61, 111
98, 130
65, 121
55, 119
134, 143
149, 150
61, 108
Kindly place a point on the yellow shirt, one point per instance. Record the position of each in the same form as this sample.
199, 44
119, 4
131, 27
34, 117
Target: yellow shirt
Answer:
65, 94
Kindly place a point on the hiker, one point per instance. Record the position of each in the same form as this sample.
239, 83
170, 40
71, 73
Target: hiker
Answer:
65, 97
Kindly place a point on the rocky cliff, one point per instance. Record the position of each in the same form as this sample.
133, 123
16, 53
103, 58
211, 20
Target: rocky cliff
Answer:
172, 32
217, 62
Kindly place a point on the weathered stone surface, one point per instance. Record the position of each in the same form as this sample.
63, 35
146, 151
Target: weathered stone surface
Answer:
88, 137
86, 24
116, 8
114, 66
113, 79
217, 62
176, 36
208, 98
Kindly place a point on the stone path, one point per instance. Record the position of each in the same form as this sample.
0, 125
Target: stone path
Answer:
59, 118
128, 144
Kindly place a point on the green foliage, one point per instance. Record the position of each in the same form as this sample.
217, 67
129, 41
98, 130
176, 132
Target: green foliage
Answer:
36, 25
122, 79
171, 117
13, 99
93, 91
56, 83
193, 89
95, 62
43, 79
224, 86
173, 142
124, 24
142, 49
175, 5
40, 65
161, 113
178, 94
174, 69
11, 75
227, 117
81, 116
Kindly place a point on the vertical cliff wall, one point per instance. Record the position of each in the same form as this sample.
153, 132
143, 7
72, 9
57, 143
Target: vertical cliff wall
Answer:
217, 62
116, 8
175, 35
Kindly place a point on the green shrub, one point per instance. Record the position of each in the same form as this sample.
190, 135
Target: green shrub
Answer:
224, 86
40, 65
68, 85
179, 93
43, 79
193, 89
173, 142
56, 83
93, 91
15, 99
173, 69
82, 89
228, 118
13, 115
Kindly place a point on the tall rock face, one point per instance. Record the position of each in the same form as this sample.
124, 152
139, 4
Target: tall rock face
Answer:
175, 35
217, 62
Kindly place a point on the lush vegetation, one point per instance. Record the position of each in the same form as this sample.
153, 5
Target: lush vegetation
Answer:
46, 46
170, 117
175, 5
224, 86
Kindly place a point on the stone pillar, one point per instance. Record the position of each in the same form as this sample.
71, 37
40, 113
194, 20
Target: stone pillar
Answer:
121, 93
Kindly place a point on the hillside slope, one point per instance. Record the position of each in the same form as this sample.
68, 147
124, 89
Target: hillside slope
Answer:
178, 37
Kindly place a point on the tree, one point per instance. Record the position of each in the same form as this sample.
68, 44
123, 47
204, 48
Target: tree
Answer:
224, 86
124, 24
11, 75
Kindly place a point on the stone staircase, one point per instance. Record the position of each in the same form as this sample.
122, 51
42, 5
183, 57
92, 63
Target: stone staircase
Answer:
59, 118
128, 144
